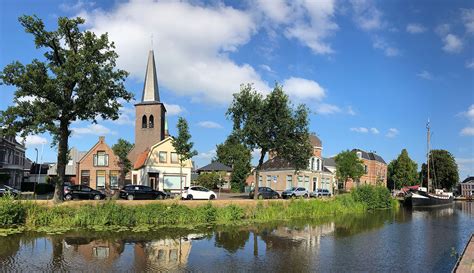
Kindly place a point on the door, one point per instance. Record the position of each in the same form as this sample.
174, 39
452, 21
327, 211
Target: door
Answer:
315, 183
152, 182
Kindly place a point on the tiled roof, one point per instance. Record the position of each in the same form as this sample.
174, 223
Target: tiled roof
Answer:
370, 156
330, 162
214, 167
277, 163
469, 179
141, 160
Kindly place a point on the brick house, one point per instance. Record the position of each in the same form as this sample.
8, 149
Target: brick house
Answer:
99, 168
279, 174
467, 187
12, 161
375, 170
218, 167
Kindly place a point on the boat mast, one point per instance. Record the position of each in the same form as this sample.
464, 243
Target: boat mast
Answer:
428, 156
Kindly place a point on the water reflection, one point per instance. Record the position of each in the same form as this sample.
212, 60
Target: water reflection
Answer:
378, 241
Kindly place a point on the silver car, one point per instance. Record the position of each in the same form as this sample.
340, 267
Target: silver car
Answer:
320, 193
295, 192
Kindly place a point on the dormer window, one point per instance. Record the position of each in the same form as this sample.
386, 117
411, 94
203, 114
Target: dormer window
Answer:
144, 121
359, 154
151, 122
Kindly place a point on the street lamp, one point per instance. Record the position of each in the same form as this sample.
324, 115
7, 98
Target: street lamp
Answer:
36, 165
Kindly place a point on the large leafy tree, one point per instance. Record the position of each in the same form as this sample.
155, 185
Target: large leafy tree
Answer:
210, 180
235, 154
443, 170
271, 124
183, 146
348, 166
402, 171
76, 81
121, 149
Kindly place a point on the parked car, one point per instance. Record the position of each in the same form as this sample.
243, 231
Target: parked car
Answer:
265, 193
131, 192
7, 190
82, 192
320, 193
198, 192
295, 192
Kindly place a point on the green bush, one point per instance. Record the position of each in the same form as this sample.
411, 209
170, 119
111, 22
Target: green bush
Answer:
12, 212
373, 197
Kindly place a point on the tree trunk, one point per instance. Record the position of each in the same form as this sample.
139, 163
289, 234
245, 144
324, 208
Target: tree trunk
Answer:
62, 160
257, 171
180, 177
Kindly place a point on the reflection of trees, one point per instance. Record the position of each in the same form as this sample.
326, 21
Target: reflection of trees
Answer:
351, 224
9, 245
232, 239
57, 259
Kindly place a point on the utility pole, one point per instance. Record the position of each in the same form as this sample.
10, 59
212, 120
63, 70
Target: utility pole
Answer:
36, 166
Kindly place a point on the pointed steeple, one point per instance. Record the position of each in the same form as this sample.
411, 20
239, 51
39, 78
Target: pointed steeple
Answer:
150, 88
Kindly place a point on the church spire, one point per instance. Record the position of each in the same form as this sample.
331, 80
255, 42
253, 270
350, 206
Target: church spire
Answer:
150, 88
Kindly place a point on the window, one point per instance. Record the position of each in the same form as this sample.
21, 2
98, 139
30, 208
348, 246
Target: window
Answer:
259, 180
85, 177
269, 180
114, 177
365, 168
289, 181
151, 122
144, 121
163, 156
2, 155
312, 164
306, 182
174, 158
300, 181
134, 180
100, 180
101, 159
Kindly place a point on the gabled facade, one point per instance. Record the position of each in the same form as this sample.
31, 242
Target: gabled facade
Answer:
159, 168
375, 170
279, 174
12, 161
99, 168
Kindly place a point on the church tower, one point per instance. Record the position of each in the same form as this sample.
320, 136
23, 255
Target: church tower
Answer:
149, 113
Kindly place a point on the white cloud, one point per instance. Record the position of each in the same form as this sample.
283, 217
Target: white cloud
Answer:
309, 22
266, 68
374, 131
302, 89
92, 129
415, 28
468, 19
443, 29
469, 113
209, 155
366, 15
196, 45
327, 109
209, 124
32, 140
392, 132
351, 111
360, 130
388, 50
425, 75
173, 109
467, 131
452, 44
470, 64
466, 165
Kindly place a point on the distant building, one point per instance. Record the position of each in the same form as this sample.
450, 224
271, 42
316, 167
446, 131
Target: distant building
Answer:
38, 173
154, 159
278, 174
71, 172
12, 161
375, 170
99, 168
218, 167
467, 187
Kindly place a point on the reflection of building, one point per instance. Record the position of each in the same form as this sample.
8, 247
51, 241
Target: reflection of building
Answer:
309, 236
163, 254
278, 174
90, 249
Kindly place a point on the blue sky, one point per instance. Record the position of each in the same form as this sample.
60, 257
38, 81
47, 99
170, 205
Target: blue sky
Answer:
372, 72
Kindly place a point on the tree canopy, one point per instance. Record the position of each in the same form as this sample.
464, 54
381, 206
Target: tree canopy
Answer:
183, 146
235, 154
348, 165
76, 81
402, 171
443, 170
271, 124
121, 149
211, 180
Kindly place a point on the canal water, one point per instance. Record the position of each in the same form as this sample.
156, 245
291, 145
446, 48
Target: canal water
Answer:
420, 240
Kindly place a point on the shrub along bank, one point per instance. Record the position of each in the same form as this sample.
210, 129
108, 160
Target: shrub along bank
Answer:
113, 216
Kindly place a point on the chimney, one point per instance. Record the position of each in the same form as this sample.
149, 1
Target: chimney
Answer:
102, 139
